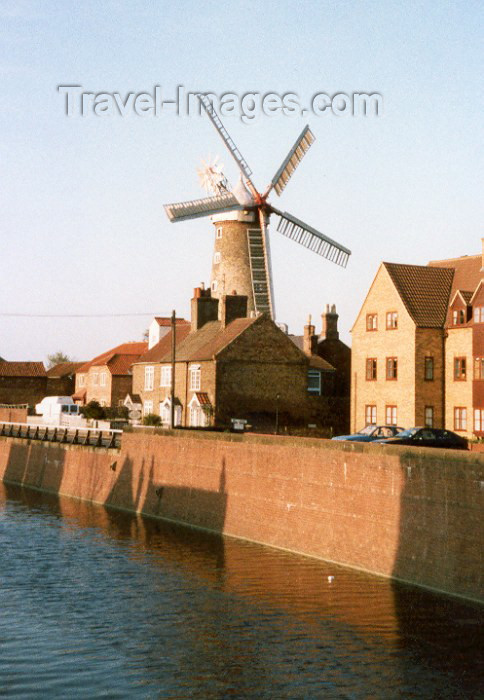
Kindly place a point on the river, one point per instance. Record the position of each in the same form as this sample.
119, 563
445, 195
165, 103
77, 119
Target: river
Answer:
96, 602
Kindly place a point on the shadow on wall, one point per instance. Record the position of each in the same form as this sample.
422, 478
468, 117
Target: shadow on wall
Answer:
183, 504
22, 465
440, 540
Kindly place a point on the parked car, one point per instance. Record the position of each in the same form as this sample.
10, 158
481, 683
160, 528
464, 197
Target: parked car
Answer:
371, 433
428, 437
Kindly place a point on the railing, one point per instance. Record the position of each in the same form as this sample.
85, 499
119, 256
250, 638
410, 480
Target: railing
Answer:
91, 437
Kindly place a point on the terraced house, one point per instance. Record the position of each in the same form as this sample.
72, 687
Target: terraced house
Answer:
418, 347
229, 365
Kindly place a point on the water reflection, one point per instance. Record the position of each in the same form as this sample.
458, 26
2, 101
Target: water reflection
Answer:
96, 601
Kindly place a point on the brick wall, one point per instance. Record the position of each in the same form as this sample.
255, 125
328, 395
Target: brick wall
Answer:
429, 342
380, 344
29, 390
411, 514
458, 392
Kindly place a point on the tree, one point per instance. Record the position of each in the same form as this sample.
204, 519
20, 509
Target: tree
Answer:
56, 358
93, 410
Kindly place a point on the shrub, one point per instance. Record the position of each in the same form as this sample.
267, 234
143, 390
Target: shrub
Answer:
93, 410
151, 419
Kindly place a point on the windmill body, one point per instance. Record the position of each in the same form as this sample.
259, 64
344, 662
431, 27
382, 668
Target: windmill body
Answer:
241, 260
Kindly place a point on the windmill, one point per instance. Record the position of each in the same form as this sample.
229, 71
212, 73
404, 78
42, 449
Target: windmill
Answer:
241, 216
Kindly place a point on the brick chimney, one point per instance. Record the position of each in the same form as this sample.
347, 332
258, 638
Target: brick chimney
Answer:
329, 324
204, 308
232, 306
310, 340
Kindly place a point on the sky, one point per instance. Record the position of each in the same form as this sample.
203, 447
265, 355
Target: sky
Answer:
87, 254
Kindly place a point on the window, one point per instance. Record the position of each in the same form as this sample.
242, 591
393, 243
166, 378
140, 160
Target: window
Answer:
314, 382
370, 415
479, 314
459, 369
392, 367
219, 232
458, 317
82, 380
479, 368
392, 320
147, 407
391, 415
429, 369
214, 286
102, 381
217, 258
429, 416
460, 418
370, 368
95, 378
478, 420
371, 322
195, 377
165, 379
149, 377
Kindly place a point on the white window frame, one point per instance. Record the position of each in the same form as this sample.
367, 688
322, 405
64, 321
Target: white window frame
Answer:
102, 379
478, 420
391, 415
219, 232
82, 380
371, 414
195, 377
149, 378
95, 378
147, 407
429, 413
314, 373
165, 376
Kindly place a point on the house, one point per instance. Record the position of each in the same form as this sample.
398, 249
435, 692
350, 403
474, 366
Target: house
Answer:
418, 341
61, 379
107, 378
227, 366
22, 382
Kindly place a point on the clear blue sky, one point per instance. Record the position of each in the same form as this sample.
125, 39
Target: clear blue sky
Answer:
82, 225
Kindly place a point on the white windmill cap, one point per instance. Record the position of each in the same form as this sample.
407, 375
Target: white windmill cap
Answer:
242, 194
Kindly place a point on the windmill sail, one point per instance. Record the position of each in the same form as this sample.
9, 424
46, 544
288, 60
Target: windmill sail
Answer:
309, 237
195, 208
292, 160
224, 134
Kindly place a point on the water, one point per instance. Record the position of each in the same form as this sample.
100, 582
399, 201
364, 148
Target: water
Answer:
98, 603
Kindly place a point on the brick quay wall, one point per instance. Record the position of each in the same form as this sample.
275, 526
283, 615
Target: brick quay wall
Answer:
411, 514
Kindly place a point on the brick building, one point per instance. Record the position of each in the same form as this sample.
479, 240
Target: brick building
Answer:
107, 378
61, 379
228, 366
418, 341
22, 382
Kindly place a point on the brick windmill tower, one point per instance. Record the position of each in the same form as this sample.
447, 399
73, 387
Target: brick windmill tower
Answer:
241, 259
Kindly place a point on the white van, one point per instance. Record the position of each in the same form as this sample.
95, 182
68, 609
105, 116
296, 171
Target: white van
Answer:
54, 408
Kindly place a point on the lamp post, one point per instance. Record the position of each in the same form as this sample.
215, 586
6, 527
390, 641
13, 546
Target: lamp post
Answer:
276, 431
173, 346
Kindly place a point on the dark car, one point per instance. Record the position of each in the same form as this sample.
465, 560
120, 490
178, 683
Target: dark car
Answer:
428, 437
371, 433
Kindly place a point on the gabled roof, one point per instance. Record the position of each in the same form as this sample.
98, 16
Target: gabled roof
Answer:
160, 350
424, 290
209, 340
63, 369
317, 362
464, 296
132, 349
467, 270
22, 369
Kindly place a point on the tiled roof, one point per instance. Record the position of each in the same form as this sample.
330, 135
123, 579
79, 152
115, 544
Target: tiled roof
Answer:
121, 364
319, 363
79, 395
209, 340
132, 348
63, 369
166, 321
298, 341
203, 399
424, 290
467, 273
160, 350
22, 369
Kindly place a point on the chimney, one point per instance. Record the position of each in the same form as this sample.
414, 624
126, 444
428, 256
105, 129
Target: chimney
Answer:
204, 308
329, 324
232, 306
310, 340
